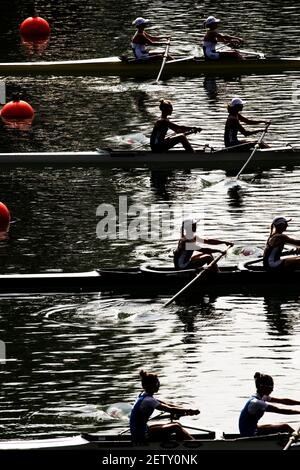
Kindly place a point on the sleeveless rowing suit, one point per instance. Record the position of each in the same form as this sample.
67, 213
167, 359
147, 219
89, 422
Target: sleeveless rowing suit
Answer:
271, 258
232, 127
251, 414
158, 136
138, 44
209, 47
182, 256
140, 414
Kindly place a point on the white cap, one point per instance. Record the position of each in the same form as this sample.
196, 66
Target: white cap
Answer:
280, 221
237, 101
211, 20
188, 224
138, 21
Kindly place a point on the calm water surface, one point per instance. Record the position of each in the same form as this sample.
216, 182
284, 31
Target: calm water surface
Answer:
71, 358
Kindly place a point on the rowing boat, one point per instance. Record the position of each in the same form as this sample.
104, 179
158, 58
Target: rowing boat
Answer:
183, 66
104, 442
147, 280
224, 159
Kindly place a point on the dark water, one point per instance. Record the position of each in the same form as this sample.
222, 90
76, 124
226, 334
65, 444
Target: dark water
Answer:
69, 358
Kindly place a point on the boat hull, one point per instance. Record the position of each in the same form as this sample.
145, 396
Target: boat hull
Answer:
117, 443
114, 66
145, 281
224, 159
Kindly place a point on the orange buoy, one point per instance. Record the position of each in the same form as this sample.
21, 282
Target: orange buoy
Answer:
17, 110
35, 27
4, 217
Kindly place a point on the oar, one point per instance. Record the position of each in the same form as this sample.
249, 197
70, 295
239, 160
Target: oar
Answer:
159, 416
164, 60
292, 439
194, 130
177, 417
197, 429
182, 59
261, 55
233, 147
254, 150
258, 260
201, 274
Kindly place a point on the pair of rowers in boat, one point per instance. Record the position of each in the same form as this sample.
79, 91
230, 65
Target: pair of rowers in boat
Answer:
190, 252
252, 412
142, 39
160, 142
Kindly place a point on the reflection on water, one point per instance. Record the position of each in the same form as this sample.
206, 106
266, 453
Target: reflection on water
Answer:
72, 358
159, 183
235, 197
278, 315
78, 355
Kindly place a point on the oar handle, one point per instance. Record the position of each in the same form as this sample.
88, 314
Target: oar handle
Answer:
194, 130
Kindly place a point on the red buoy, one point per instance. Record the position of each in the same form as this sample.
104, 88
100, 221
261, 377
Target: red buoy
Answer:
4, 217
17, 109
35, 27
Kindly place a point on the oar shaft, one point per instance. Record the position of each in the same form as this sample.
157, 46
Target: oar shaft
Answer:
159, 416
164, 60
245, 164
233, 147
182, 59
258, 260
293, 438
242, 51
254, 150
213, 263
197, 429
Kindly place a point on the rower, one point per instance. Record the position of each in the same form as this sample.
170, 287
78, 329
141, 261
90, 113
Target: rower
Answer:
212, 37
144, 407
260, 402
158, 140
141, 39
184, 257
233, 126
275, 244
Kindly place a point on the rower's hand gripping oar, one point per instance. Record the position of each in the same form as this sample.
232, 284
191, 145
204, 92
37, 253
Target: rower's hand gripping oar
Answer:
201, 274
165, 56
254, 150
193, 130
